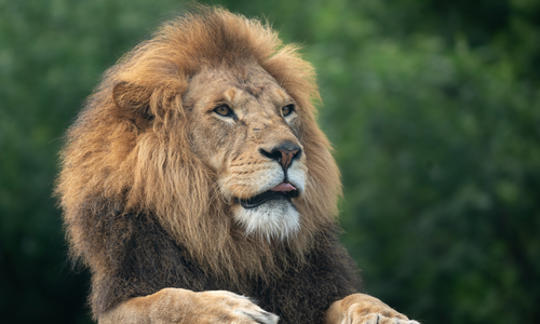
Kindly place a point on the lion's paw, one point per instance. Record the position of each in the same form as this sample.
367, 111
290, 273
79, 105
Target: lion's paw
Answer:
226, 307
381, 319
183, 306
364, 309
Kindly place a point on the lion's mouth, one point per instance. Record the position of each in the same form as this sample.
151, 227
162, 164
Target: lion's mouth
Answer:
284, 190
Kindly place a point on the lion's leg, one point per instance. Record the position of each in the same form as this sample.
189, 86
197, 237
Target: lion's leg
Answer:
175, 305
360, 309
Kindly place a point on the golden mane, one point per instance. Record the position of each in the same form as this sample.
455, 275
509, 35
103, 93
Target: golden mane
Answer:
148, 168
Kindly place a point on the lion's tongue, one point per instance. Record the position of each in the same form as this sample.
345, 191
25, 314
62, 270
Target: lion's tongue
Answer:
284, 187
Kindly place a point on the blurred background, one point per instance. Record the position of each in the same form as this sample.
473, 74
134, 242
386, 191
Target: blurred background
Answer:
433, 107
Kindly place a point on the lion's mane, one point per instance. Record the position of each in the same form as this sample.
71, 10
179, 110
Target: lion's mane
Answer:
128, 153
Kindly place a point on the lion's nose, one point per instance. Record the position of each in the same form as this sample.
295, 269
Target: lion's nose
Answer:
284, 153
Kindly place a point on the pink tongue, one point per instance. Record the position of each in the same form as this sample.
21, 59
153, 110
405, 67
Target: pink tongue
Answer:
284, 187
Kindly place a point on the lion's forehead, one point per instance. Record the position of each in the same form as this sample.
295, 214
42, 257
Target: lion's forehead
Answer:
235, 86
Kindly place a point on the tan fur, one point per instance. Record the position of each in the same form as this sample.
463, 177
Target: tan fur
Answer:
114, 151
361, 308
182, 306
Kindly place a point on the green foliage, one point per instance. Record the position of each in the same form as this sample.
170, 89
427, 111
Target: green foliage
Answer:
433, 107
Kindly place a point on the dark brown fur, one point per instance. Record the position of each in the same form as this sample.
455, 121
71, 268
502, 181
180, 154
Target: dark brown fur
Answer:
143, 259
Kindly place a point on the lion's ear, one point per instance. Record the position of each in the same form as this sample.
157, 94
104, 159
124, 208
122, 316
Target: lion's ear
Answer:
133, 103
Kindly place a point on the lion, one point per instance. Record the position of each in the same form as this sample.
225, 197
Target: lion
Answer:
197, 187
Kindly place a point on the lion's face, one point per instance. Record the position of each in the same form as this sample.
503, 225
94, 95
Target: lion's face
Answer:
245, 127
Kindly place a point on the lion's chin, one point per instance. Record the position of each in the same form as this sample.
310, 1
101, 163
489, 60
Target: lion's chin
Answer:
274, 219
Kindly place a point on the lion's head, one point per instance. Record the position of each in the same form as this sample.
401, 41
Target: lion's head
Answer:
210, 128
244, 127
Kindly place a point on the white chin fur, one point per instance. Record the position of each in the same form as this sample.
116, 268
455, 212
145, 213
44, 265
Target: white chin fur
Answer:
275, 219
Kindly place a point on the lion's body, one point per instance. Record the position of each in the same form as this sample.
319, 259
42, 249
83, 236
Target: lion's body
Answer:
147, 259
156, 182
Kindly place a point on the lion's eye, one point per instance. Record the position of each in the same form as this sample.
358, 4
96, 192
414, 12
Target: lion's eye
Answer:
287, 110
224, 110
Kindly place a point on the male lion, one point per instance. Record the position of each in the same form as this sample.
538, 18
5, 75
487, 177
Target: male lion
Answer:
197, 187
